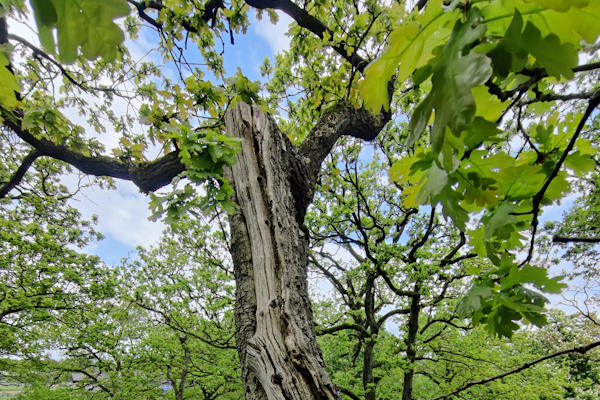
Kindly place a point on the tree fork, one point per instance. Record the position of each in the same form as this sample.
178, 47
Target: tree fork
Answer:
274, 183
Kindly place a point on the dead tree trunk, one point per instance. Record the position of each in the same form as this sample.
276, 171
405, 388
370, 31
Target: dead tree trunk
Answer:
274, 182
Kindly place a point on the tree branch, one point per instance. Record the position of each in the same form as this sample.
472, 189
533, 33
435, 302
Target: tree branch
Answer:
565, 239
443, 321
539, 196
340, 120
342, 327
147, 176
580, 350
587, 67
389, 314
307, 21
16, 178
412, 255
348, 393
141, 9
37, 52
545, 97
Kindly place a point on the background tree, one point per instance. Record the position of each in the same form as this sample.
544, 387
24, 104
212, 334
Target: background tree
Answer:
43, 270
390, 266
184, 286
166, 330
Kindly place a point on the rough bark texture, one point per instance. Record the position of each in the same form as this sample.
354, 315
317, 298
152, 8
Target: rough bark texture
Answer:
275, 330
411, 351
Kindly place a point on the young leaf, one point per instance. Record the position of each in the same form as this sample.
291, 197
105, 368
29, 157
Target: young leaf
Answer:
453, 78
9, 86
85, 24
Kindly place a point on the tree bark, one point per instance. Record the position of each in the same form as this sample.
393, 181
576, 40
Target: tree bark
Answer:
275, 332
411, 336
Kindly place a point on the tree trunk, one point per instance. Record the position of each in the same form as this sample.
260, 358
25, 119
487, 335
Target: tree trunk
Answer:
369, 385
275, 334
411, 337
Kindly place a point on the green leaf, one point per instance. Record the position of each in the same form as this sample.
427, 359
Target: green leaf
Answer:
435, 181
455, 74
523, 300
500, 321
400, 169
8, 98
556, 58
481, 130
471, 302
410, 46
451, 208
560, 5
85, 24
419, 120
571, 24
488, 105
580, 163
537, 276
500, 223
46, 18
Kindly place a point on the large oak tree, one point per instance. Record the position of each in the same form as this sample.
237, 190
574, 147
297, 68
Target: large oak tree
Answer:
470, 64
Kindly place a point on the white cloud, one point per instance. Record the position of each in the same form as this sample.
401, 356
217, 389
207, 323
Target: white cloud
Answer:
274, 34
122, 213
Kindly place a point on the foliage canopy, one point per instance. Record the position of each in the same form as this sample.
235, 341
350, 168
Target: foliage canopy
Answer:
491, 116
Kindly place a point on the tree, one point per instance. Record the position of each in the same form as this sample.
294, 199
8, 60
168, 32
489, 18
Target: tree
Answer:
389, 266
478, 61
43, 271
184, 286
165, 332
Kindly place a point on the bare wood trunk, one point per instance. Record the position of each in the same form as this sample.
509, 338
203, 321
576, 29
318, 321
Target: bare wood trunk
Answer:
275, 334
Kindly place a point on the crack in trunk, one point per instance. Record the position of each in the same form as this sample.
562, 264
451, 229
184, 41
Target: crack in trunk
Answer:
278, 349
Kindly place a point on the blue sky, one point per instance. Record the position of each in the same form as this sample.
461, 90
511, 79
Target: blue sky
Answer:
123, 213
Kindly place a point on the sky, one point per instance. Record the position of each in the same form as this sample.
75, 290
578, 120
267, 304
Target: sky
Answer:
123, 213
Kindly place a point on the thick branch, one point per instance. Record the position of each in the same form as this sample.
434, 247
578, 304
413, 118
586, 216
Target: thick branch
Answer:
544, 97
93, 378
443, 321
389, 314
19, 173
580, 350
565, 239
348, 393
301, 16
340, 120
421, 4
147, 176
307, 21
343, 327
412, 256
